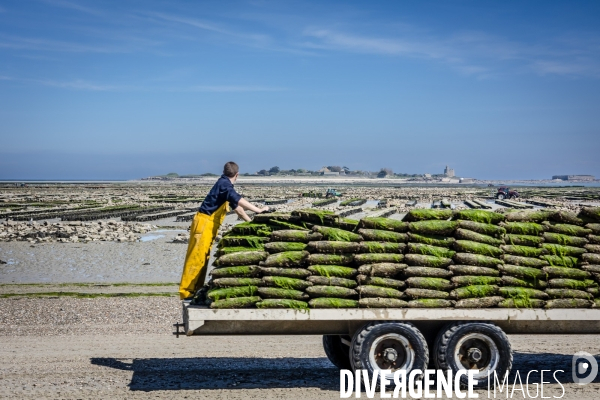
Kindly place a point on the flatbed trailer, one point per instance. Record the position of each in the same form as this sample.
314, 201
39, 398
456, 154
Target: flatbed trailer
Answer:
402, 338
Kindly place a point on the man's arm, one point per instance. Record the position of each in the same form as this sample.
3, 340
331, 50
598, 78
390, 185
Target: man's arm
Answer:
244, 204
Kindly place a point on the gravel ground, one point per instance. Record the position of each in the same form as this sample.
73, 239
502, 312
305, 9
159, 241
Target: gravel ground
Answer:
123, 348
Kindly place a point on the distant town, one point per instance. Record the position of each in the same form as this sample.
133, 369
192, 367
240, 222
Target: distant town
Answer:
447, 176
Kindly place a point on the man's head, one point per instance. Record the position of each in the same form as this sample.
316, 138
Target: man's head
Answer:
231, 170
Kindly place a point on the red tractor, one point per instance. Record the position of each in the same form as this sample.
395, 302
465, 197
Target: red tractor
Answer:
504, 192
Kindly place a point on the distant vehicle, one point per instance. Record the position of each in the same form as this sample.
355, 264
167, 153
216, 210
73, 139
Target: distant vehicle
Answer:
490, 185
504, 192
332, 193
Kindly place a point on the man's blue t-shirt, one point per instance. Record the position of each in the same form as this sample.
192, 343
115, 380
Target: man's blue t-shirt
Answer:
220, 193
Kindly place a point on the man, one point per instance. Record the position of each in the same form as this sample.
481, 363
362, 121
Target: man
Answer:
206, 224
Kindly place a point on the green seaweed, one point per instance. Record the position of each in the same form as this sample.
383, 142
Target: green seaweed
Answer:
565, 240
236, 291
466, 234
286, 259
387, 224
255, 242
474, 291
523, 240
336, 234
330, 291
287, 225
286, 283
250, 228
235, 249
283, 303
381, 247
525, 261
429, 283
379, 291
568, 229
482, 216
279, 293
380, 235
443, 228
560, 250
370, 258
427, 261
424, 214
524, 228
529, 216
243, 271
485, 229
329, 302
236, 302
333, 271
468, 246
477, 260
432, 240
523, 251
522, 293
279, 247
467, 280
562, 261
420, 248
430, 303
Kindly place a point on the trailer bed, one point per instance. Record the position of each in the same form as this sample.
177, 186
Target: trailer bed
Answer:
199, 320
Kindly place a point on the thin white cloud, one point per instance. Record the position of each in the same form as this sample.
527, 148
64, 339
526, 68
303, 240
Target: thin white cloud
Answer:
234, 88
471, 53
72, 6
79, 84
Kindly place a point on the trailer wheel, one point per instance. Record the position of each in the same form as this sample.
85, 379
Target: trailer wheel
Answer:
337, 351
390, 345
474, 345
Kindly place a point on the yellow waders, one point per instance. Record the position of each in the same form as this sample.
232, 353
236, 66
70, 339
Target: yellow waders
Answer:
202, 234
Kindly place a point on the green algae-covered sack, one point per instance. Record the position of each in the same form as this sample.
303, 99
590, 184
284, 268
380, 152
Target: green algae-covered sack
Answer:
477, 260
429, 283
525, 261
286, 283
433, 240
590, 212
486, 217
381, 247
383, 282
560, 250
333, 247
415, 293
292, 235
421, 248
282, 303
280, 247
242, 258
381, 302
246, 271
568, 229
332, 281
328, 302
565, 293
425, 214
430, 303
468, 246
524, 228
317, 216
523, 251
387, 224
441, 228
299, 273
479, 302
333, 271
508, 280
563, 283
594, 227
592, 258
331, 291
522, 303
469, 280
529, 216
569, 217
286, 259
427, 272
468, 292
222, 251
379, 291
523, 240
372, 258
522, 272
561, 261
279, 293
230, 282
250, 228
473, 270
482, 228
256, 242
226, 293
336, 234
236, 302
565, 240
330, 259
562, 272
568, 303
522, 293
427, 261
384, 270
379, 235
466, 234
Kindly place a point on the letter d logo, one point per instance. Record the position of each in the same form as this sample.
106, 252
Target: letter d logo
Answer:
583, 363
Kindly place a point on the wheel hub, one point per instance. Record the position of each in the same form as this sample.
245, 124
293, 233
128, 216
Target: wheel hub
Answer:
390, 354
475, 355
478, 352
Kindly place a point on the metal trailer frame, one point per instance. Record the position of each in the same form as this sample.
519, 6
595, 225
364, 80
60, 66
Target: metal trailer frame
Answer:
199, 320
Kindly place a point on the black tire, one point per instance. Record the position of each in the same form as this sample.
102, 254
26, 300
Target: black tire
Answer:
456, 340
405, 339
500, 196
337, 352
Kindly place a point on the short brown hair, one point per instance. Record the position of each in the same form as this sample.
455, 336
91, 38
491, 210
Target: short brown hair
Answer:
230, 169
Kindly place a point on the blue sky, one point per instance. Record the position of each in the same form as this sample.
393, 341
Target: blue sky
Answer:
126, 89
